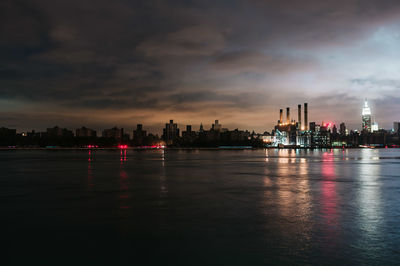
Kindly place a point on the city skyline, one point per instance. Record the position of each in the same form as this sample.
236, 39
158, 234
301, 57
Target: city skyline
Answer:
289, 119
195, 62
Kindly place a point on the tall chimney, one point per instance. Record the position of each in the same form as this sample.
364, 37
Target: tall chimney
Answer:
305, 116
288, 115
299, 115
281, 116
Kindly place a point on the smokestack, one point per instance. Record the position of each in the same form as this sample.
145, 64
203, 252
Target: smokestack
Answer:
287, 114
281, 116
305, 116
299, 115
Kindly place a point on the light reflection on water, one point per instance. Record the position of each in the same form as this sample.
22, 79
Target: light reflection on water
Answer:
232, 207
369, 201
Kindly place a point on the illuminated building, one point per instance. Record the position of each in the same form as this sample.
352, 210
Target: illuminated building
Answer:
170, 132
366, 118
374, 127
321, 137
396, 127
292, 132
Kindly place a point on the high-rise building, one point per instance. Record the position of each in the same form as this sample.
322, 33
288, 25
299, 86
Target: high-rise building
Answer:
334, 130
189, 135
396, 127
342, 129
85, 132
312, 126
170, 132
366, 118
139, 134
114, 133
374, 127
216, 126
59, 132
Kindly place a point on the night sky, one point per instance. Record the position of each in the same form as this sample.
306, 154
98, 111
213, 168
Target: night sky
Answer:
106, 63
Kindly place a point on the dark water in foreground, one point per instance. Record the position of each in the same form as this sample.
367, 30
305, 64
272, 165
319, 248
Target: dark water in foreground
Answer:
207, 207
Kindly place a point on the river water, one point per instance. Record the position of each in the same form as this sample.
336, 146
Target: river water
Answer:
200, 207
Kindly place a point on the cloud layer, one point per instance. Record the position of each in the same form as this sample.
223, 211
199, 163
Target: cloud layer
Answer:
106, 63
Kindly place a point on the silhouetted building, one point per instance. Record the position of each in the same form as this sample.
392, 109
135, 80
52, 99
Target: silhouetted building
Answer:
59, 132
6, 132
7, 136
201, 129
334, 130
170, 132
113, 133
342, 129
139, 135
189, 135
312, 126
216, 126
85, 132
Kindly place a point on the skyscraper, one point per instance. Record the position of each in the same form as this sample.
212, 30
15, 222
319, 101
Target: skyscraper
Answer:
170, 132
396, 127
342, 129
139, 134
366, 117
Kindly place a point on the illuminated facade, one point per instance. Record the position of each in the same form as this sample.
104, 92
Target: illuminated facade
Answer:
374, 127
366, 118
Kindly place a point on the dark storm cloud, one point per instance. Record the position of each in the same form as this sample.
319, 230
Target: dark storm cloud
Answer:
176, 56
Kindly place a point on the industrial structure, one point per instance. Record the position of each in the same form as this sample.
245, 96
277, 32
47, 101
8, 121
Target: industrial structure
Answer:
291, 132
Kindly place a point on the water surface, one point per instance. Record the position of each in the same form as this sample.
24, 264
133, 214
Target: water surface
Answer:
201, 207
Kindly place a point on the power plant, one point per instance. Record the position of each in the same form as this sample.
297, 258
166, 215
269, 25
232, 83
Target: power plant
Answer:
292, 132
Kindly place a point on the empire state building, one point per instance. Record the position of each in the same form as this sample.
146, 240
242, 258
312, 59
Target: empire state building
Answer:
366, 117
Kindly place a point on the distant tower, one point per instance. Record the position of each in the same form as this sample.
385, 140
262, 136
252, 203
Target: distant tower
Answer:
299, 116
342, 129
366, 118
287, 115
305, 116
280, 116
